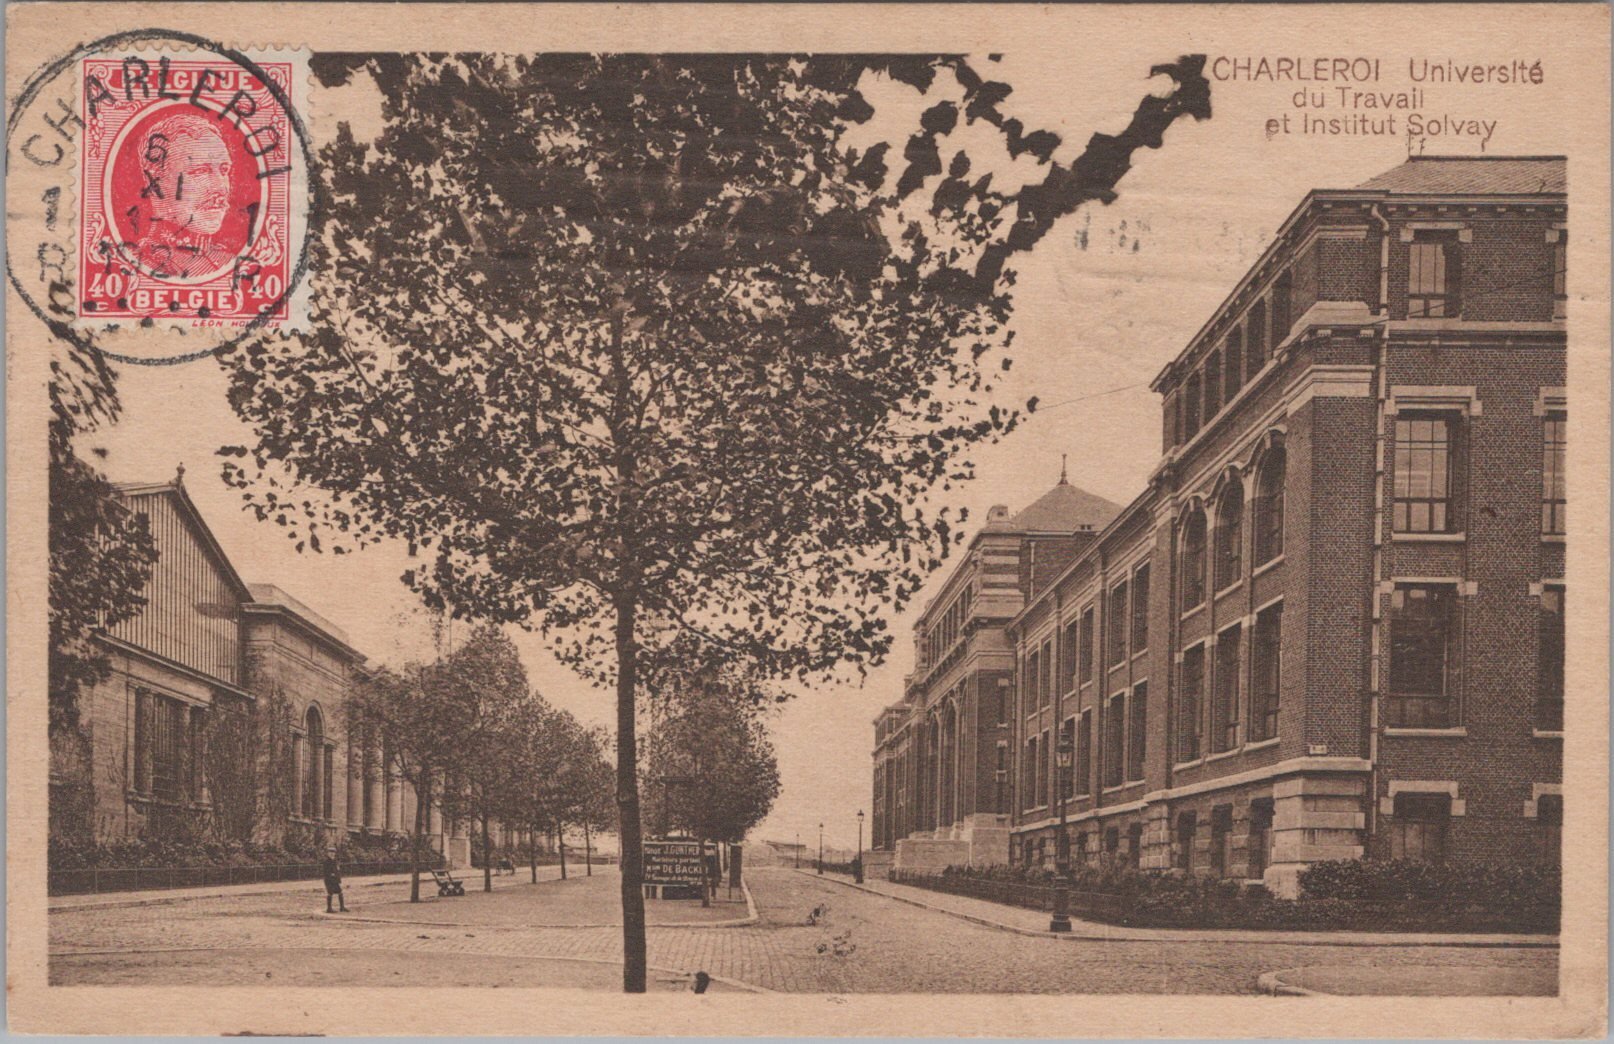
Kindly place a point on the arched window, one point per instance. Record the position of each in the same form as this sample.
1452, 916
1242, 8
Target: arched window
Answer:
1193, 558
1213, 385
1269, 505
314, 764
1233, 372
1255, 342
1192, 391
1230, 534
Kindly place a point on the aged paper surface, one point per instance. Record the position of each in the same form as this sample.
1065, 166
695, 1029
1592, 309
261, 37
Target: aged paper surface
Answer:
1334, 236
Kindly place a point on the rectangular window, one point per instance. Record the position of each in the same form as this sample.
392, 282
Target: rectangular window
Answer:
1258, 846
1047, 672
1188, 703
142, 741
168, 738
1187, 827
1115, 622
1560, 274
1084, 754
1433, 270
195, 759
1032, 672
1550, 821
1265, 663
1028, 776
1427, 473
1225, 708
1550, 662
1042, 769
1137, 731
1089, 667
1115, 741
1418, 827
1067, 659
1554, 446
1221, 840
1067, 734
1134, 845
1140, 610
1424, 654
1112, 845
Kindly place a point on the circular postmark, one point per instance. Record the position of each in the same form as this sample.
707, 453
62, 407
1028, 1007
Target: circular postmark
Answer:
162, 188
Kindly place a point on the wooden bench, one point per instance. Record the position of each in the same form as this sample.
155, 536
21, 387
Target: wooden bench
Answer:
507, 867
446, 884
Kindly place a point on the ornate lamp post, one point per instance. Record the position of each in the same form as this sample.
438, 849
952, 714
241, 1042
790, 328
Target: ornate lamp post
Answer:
857, 867
1060, 922
820, 848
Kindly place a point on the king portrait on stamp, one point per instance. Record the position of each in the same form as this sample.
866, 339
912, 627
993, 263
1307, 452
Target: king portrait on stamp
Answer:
180, 238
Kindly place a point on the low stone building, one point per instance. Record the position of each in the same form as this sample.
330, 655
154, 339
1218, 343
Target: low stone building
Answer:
164, 744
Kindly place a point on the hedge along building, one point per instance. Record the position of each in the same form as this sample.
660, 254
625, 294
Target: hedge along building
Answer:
223, 710
1332, 626
941, 759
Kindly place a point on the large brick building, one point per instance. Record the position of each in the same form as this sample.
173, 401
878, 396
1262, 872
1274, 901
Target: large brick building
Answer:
1332, 625
941, 763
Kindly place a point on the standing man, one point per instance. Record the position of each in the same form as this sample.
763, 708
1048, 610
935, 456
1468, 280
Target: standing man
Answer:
332, 871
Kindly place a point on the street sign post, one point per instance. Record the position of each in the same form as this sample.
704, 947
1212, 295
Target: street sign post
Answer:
676, 866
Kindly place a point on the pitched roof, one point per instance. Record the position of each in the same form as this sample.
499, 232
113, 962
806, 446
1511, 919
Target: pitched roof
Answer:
1474, 175
1064, 509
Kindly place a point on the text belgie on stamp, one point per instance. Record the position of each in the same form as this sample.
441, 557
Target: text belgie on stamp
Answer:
163, 184
185, 191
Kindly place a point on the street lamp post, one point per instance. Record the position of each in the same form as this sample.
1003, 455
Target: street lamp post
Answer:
857, 867
798, 850
1060, 921
820, 848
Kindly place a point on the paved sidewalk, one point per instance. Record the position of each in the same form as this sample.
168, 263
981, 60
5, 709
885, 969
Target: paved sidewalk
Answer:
1032, 922
154, 896
1336, 981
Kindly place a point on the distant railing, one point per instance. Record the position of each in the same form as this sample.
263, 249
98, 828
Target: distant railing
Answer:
143, 878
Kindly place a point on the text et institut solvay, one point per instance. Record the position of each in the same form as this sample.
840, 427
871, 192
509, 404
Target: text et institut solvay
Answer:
1333, 625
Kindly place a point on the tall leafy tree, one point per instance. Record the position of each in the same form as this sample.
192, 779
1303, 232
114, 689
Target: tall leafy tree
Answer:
490, 688
101, 553
710, 763
633, 344
415, 714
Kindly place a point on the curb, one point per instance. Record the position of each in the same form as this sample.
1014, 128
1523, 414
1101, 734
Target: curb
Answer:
1271, 984
159, 896
725, 980
168, 895
1203, 935
737, 922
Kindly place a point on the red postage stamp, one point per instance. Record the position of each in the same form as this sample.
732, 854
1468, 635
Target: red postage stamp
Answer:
191, 191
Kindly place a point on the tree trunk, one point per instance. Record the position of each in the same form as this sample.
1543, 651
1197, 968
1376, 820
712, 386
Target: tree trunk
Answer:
706, 873
627, 802
423, 796
532, 852
560, 846
487, 855
588, 858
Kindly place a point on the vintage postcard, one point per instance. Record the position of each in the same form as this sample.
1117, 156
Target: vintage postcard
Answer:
844, 520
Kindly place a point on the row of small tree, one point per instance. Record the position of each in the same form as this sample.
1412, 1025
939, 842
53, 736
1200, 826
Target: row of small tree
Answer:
467, 732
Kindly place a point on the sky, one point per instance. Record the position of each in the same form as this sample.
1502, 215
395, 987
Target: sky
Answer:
1102, 303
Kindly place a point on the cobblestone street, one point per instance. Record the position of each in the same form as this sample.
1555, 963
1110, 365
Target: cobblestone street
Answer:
810, 935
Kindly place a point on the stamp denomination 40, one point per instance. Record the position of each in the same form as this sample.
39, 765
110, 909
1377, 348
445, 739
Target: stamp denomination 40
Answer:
185, 190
